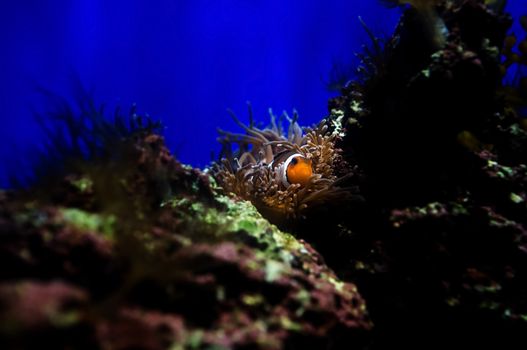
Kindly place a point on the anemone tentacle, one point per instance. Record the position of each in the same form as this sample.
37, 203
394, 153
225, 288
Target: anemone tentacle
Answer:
254, 170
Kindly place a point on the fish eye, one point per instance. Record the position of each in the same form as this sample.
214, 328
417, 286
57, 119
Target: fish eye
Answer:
294, 161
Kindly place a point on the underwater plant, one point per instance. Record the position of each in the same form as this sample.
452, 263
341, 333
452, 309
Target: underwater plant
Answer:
78, 134
284, 173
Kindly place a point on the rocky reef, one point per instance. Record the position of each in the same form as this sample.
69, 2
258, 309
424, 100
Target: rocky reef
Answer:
108, 264
114, 244
439, 250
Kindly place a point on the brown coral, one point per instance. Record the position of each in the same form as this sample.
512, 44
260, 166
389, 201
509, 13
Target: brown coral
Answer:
253, 171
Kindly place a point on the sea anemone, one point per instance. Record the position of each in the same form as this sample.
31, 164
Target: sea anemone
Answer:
260, 169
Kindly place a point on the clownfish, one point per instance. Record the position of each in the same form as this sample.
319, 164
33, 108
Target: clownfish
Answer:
296, 169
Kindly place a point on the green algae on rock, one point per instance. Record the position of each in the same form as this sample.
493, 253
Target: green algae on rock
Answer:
197, 270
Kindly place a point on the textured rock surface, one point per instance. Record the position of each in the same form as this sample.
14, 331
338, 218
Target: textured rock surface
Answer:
439, 250
198, 271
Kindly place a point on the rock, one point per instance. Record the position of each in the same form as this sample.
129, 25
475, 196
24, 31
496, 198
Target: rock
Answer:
196, 271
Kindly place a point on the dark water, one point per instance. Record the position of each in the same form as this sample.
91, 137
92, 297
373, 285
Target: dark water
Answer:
182, 61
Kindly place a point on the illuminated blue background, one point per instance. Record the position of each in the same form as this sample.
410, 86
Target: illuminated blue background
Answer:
183, 61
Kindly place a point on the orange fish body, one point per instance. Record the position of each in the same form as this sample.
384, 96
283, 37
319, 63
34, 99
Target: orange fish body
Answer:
296, 169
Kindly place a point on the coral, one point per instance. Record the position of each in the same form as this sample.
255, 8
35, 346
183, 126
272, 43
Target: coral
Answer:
30, 305
425, 102
111, 264
254, 171
440, 141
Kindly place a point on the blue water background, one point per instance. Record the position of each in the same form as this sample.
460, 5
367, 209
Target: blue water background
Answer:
182, 61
